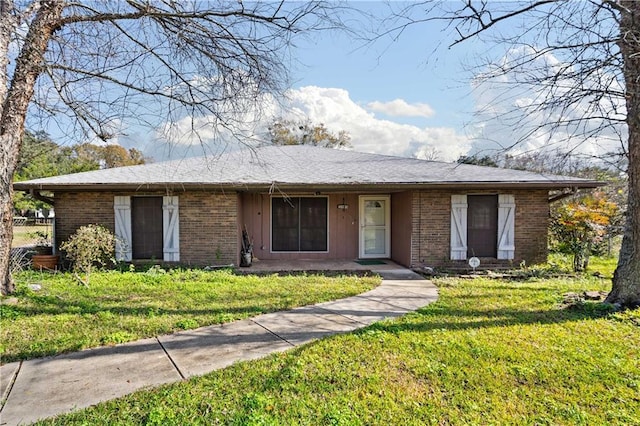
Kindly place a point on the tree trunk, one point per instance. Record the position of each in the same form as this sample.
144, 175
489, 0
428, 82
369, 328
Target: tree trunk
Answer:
626, 279
6, 228
28, 66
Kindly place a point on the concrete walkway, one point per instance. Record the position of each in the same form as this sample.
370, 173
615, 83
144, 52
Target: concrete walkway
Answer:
46, 387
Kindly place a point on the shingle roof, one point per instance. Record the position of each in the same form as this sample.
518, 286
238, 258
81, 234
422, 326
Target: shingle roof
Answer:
298, 166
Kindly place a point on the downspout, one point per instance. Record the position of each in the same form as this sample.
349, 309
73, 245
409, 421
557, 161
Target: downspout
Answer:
420, 261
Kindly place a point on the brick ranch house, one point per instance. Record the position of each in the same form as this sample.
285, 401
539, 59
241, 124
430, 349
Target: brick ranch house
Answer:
302, 202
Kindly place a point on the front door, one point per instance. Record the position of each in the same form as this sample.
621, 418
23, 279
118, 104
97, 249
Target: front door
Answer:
482, 225
375, 226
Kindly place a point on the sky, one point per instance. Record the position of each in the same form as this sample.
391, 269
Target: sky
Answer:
409, 95
394, 97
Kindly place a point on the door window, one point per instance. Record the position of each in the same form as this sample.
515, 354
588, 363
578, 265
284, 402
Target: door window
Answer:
375, 229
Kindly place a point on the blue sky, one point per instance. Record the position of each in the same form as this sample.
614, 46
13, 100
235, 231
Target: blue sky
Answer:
409, 95
400, 96
384, 70
413, 95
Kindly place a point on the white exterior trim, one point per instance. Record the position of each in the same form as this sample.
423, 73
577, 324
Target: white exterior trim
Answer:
170, 229
458, 227
122, 219
506, 226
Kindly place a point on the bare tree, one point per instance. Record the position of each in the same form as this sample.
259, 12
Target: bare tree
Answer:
97, 64
580, 65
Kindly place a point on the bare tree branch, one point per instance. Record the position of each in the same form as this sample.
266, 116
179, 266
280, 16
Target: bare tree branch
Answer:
158, 63
569, 74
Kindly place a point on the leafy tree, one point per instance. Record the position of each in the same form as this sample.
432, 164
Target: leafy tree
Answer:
581, 61
139, 61
41, 157
580, 225
478, 161
107, 156
36, 160
290, 132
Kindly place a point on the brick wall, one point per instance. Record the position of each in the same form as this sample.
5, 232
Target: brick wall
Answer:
209, 228
431, 226
208, 222
76, 209
532, 224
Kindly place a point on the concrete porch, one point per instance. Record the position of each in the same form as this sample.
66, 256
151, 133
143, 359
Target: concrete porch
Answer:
315, 265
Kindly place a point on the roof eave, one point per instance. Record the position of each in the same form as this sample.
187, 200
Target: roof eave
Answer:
355, 186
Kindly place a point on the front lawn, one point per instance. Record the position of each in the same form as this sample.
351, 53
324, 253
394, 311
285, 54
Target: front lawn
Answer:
490, 351
120, 307
26, 235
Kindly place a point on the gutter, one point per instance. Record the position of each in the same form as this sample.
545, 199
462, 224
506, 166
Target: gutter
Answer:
567, 192
316, 186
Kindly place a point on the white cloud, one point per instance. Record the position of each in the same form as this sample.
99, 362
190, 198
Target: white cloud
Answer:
335, 108
331, 106
508, 112
401, 108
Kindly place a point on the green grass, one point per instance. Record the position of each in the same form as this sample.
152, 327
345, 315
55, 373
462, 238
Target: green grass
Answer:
490, 351
120, 307
597, 264
25, 235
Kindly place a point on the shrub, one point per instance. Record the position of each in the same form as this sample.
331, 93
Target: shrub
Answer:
90, 247
580, 225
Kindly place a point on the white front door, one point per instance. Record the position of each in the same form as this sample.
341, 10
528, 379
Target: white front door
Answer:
375, 226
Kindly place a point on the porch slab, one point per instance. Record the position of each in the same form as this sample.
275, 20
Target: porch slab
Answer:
205, 349
47, 387
259, 266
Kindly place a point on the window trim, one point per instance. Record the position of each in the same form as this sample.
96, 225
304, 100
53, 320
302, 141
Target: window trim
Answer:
271, 250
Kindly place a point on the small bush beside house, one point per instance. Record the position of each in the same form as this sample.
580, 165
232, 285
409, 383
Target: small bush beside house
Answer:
90, 247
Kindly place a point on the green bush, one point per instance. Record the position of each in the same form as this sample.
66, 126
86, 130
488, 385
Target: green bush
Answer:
92, 246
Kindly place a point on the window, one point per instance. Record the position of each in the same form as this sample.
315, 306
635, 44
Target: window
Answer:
483, 225
299, 224
147, 227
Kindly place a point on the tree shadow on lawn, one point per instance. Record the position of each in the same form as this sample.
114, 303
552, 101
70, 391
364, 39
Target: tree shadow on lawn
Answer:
217, 317
439, 317
54, 305
140, 311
